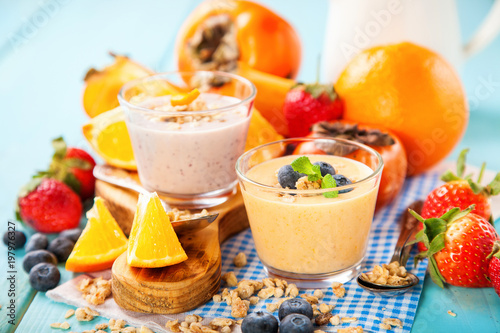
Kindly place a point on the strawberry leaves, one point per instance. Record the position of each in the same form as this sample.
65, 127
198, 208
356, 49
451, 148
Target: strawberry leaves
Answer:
433, 236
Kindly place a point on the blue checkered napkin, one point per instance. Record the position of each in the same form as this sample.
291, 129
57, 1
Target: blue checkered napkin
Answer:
369, 309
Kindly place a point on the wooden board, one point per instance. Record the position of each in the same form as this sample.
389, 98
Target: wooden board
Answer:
180, 287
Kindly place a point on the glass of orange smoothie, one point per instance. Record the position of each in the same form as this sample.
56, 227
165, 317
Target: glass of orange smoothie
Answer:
310, 214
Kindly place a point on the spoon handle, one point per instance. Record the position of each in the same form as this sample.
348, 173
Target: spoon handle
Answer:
408, 231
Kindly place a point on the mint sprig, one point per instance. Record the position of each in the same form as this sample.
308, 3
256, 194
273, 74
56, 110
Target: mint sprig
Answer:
303, 165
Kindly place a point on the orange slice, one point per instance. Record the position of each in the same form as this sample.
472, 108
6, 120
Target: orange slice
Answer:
101, 242
260, 131
184, 99
153, 242
108, 135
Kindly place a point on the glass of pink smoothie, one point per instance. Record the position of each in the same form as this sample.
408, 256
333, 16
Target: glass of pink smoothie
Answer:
302, 232
186, 152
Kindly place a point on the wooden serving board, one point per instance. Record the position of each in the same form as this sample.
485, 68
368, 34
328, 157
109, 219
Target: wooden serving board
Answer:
180, 287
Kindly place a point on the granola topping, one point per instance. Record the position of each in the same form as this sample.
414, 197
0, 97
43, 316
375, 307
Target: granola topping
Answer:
392, 274
95, 291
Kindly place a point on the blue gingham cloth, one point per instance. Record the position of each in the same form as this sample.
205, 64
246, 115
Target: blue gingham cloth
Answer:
369, 309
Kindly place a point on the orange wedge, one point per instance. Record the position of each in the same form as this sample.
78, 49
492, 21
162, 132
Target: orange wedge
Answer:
108, 135
100, 243
153, 242
260, 131
184, 99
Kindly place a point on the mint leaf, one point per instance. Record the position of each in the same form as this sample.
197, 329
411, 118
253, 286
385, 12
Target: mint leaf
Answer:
304, 165
329, 182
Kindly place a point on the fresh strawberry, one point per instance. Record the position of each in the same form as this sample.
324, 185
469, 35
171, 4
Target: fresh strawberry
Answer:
461, 192
494, 268
308, 104
74, 167
459, 243
48, 205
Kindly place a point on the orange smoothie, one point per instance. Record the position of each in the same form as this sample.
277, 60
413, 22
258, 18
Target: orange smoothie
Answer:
309, 233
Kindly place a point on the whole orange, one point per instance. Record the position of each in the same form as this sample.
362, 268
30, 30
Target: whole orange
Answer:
412, 91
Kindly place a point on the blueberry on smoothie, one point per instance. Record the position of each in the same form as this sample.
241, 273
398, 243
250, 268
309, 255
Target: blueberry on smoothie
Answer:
259, 322
342, 180
295, 305
287, 177
37, 242
326, 168
296, 323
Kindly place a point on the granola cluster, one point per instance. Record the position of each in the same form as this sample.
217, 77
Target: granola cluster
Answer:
180, 215
115, 325
193, 324
95, 291
305, 184
392, 275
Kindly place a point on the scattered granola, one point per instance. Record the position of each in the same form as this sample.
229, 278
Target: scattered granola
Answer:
319, 331
324, 308
192, 319
239, 308
393, 322
292, 290
95, 291
268, 282
392, 275
323, 319
310, 299
266, 293
240, 260
230, 279
272, 307
278, 292
254, 300
69, 313
338, 289
335, 320
357, 329
217, 298
173, 326
318, 293
179, 215
61, 326
116, 325
221, 322
102, 326
85, 314
348, 320
451, 313
385, 326
144, 329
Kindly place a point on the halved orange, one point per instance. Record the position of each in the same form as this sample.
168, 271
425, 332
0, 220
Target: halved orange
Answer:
100, 243
108, 135
153, 241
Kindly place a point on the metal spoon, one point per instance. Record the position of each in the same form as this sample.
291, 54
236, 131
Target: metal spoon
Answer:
122, 178
401, 254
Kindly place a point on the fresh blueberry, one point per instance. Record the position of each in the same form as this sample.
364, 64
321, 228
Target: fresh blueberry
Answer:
295, 305
325, 168
287, 177
44, 276
259, 322
61, 247
71, 234
342, 180
17, 238
296, 323
35, 257
37, 242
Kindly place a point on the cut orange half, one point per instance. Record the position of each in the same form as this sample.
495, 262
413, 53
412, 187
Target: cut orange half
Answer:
100, 243
153, 242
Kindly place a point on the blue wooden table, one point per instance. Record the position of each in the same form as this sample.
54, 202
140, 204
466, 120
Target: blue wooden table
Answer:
46, 48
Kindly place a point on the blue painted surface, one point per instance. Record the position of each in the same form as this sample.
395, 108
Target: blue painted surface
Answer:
46, 48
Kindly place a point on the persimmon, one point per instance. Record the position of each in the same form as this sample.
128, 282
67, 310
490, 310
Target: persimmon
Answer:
386, 143
218, 33
411, 91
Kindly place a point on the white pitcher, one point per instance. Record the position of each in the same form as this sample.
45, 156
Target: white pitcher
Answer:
354, 25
